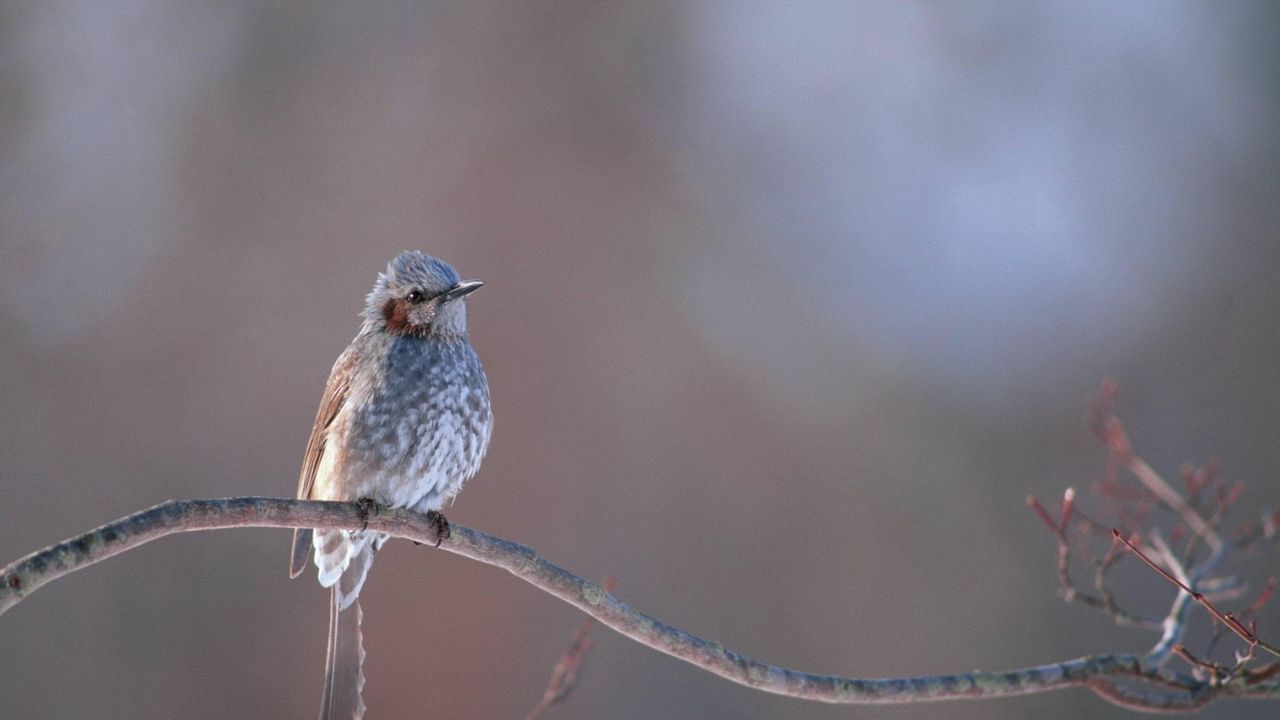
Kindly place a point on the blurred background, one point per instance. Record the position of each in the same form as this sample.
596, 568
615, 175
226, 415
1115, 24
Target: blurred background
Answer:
789, 308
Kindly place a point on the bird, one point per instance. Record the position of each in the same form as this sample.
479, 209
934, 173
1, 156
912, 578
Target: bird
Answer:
404, 421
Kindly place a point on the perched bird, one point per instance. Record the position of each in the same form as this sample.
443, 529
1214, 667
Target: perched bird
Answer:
403, 422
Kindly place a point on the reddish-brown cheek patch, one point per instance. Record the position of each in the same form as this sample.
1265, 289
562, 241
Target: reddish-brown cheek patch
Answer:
396, 313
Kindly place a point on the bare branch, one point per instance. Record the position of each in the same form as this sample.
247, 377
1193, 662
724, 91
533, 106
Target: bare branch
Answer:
1099, 673
1268, 590
1204, 666
1118, 440
1227, 619
1105, 600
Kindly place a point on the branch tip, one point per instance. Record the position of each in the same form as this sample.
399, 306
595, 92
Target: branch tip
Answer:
1045, 518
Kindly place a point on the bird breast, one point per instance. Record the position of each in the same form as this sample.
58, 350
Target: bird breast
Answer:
422, 426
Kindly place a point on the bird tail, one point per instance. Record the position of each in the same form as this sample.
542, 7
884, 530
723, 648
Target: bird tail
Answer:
343, 676
343, 559
301, 550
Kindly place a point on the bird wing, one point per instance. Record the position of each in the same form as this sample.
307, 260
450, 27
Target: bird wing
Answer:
335, 396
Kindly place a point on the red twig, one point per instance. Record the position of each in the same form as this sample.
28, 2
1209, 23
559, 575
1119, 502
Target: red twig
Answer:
569, 668
1105, 600
1227, 619
1267, 591
1215, 671
1045, 518
1197, 480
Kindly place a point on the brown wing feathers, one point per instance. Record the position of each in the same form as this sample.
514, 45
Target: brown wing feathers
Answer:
335, 396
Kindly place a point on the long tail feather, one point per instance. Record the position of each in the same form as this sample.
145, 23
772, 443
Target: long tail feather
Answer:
343, 676
301, 551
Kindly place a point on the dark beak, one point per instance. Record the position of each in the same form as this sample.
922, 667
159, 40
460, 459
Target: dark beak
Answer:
462, 289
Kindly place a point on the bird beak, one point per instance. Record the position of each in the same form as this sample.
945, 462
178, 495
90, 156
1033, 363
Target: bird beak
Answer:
466, 287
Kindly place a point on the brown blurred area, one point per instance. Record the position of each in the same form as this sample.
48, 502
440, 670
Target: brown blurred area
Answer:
788, 309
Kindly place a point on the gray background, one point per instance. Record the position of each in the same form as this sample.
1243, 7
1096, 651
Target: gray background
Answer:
789, 308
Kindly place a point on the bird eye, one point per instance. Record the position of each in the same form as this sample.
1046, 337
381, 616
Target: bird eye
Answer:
415, 297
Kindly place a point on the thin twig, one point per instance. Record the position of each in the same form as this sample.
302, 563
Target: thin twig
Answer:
1118, 440
1213, 671
1105, 600
564, 676
1227, 619
23, 577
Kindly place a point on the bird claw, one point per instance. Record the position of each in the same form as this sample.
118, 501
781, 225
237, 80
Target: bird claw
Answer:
366, 506
439, 525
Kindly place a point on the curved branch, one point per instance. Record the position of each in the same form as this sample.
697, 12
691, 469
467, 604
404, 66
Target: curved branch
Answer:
1098, 673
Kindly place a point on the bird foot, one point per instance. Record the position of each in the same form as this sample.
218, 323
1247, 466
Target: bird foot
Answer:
439, 525
367, 507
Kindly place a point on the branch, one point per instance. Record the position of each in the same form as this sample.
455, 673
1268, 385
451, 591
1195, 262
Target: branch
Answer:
1105, 600
1099, 673
1227, 619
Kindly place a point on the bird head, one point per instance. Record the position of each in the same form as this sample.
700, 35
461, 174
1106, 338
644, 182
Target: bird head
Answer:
419, 295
